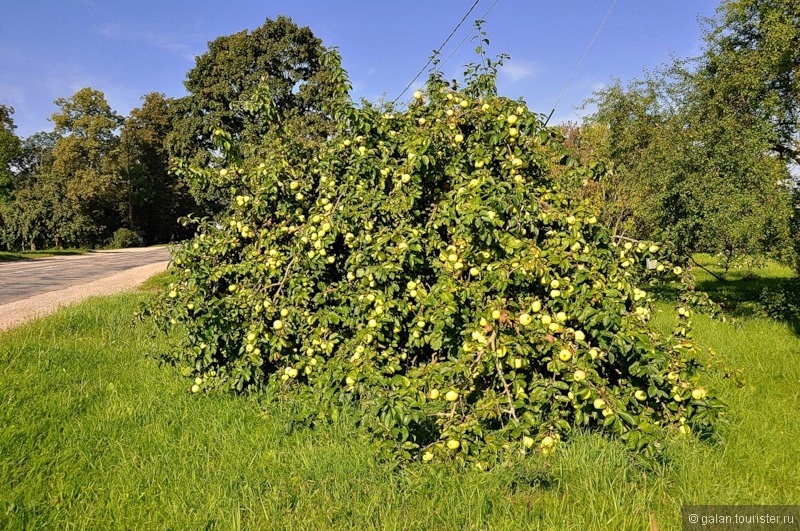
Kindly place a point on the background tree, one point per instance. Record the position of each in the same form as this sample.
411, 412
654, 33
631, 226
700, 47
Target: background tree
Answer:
700, 150
10, 146
750, 69
84, 161
155, 197
278, 62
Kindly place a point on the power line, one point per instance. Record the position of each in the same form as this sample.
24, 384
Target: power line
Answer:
437, 52
468, 35
578, 66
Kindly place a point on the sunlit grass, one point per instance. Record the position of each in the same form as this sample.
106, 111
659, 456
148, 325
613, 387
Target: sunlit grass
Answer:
95, 434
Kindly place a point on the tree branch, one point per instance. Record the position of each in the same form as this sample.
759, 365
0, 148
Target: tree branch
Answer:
508, 391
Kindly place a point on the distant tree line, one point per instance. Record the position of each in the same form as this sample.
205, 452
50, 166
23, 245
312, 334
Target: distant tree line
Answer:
704, 152
98, 174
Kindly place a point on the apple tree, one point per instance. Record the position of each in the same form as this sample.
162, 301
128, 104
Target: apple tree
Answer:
430, 266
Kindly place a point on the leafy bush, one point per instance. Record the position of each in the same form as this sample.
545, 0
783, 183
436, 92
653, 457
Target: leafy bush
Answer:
427, 266
781, 303
124, 238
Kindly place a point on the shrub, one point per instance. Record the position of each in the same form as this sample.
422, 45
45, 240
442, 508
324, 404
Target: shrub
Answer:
427, 266
781, 303
124, 238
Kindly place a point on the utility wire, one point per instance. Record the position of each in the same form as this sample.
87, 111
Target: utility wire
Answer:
468, 35
578, 66
437, 52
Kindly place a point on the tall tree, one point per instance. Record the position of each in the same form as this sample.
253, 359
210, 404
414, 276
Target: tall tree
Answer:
703, 145
278, 64
10, 146
155, 197
751, 69
83, 159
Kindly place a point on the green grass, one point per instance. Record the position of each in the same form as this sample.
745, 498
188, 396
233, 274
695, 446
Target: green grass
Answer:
740, 289
7, 256
94, 434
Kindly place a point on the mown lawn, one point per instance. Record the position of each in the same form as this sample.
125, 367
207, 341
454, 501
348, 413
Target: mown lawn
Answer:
94, 434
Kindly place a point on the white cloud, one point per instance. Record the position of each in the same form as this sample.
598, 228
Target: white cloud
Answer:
518, 70
160, 41
12, 94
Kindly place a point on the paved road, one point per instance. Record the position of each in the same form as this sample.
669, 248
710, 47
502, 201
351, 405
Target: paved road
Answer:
24, 279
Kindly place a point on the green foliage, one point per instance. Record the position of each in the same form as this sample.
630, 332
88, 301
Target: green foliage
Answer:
10, 147
155, 197
431, 266
699, 150
781, 303
280, 62
124, 238
749, 70
83, 159
41, 217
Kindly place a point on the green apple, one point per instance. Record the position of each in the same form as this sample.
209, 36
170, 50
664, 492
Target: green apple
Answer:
427, 456
459, 138
548, 441
579, 335
564, 354
525, 319
599, 403
495, 314
417, 95
699, 393
579, 375
277, 324
536, 306
195, 388
433, 394
527, 441
640, 395
453, 444
451, 396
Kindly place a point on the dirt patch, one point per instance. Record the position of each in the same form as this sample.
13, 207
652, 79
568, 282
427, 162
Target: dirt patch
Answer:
21, 311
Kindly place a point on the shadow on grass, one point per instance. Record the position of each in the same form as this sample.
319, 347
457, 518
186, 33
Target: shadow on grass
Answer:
745, 294
30, 255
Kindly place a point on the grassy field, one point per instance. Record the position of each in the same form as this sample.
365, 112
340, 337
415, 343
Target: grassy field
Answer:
94, 434
7, 256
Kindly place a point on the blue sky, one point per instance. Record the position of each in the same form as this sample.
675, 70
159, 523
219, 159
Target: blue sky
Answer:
52, 48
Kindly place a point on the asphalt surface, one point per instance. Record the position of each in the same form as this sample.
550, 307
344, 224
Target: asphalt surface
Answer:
27, 278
